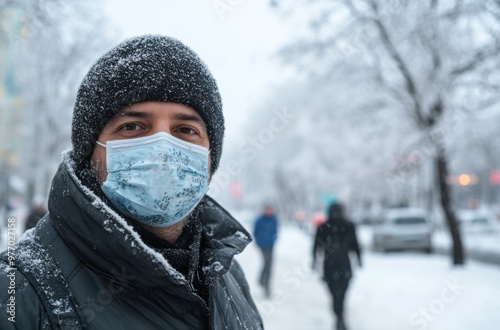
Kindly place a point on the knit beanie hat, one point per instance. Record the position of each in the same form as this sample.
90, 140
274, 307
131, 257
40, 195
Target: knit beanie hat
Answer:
142, 69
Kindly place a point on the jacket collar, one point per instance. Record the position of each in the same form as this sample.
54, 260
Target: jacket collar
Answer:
107, 243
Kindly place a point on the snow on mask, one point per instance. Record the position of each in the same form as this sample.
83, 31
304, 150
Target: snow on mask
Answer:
157, 180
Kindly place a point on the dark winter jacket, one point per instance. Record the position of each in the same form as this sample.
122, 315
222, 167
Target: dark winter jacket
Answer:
119, 282
335, 238
266, 231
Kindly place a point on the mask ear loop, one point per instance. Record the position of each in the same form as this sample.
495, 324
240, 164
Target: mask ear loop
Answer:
101, 144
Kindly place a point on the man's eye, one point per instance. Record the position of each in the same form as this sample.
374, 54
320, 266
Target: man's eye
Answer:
130, 127
187, 130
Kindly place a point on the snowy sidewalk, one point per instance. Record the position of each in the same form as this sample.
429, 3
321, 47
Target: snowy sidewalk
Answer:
395, 291
485, 248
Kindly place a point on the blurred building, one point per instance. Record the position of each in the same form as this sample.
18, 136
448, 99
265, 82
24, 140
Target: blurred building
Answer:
12, 28
12, 31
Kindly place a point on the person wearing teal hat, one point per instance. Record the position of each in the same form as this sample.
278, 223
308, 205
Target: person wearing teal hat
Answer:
334, 239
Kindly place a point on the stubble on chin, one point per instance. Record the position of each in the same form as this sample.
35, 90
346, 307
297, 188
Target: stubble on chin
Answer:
171, 233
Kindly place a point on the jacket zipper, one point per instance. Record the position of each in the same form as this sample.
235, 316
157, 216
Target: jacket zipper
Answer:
200, 300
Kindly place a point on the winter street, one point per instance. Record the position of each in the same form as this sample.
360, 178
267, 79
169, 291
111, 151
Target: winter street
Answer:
345, 153
392, 291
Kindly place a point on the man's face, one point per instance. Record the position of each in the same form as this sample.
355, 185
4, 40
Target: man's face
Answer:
148, 118
268, 211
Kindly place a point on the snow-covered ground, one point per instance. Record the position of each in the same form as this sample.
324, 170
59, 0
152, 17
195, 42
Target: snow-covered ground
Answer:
394, 291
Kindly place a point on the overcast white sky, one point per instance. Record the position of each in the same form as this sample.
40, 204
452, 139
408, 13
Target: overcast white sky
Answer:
236, 44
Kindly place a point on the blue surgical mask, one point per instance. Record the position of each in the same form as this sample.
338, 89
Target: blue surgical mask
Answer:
157, 180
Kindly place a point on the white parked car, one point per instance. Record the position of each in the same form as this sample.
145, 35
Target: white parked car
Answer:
404, 229
477, 222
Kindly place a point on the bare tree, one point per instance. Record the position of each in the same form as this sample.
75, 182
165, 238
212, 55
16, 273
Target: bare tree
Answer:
316, 153
59, 40
427, 59
15, 17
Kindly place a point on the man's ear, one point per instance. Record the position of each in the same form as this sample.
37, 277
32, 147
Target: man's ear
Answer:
209, 167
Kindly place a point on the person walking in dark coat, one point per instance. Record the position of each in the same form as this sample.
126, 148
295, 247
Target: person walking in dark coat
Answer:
334, 239
131, 240
265, 234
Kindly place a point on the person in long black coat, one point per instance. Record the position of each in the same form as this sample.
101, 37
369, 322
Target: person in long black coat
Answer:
335, 238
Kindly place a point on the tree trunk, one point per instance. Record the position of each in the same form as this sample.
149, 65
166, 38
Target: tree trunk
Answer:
442, 173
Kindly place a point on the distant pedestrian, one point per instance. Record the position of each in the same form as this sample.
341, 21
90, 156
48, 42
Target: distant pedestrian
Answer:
265, 234
37, 212
335, 238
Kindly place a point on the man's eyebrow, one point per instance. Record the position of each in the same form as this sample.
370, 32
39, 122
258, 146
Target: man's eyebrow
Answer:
136, 114
188, 117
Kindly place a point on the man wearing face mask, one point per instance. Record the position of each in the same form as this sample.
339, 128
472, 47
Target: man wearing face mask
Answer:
131, 241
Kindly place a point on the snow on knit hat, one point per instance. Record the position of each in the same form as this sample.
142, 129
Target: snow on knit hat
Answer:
142, 69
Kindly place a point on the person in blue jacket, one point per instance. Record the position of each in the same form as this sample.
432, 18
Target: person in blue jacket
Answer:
265, 234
